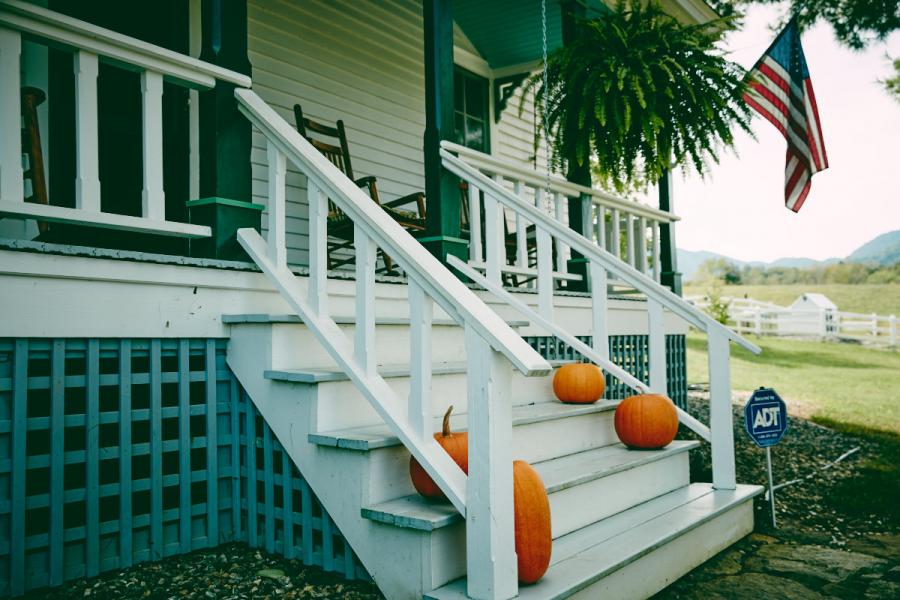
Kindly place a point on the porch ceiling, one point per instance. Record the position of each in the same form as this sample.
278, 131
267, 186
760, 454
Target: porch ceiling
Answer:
508, 32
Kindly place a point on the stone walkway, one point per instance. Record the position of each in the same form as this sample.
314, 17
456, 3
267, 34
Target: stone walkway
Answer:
763, 566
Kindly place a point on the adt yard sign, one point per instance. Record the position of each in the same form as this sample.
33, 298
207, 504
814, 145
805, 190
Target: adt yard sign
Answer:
765, 417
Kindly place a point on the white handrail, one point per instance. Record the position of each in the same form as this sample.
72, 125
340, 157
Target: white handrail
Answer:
492, 348
125, 51
579, 346
438, 282
522, 173
579, 243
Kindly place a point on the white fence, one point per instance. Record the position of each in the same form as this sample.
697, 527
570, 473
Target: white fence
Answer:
746, 315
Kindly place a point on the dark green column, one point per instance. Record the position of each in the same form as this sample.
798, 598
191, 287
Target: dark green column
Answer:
668, 252
581, 174
225, 135
442, 235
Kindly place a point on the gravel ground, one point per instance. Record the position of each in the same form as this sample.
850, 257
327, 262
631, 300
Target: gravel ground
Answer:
838, 536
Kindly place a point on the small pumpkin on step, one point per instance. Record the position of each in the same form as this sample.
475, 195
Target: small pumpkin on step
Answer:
579, 383
456, 445
646, 421
534, 540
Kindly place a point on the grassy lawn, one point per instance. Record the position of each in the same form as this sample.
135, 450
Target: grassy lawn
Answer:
883, 299
844, 384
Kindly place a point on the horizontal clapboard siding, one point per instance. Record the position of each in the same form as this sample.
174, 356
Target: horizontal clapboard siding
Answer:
114, 452
362, 62
357, 61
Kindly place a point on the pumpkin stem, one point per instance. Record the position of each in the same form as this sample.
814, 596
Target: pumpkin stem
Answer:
445, 430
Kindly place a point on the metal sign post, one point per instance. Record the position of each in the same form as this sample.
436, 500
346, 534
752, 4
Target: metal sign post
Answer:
765, 419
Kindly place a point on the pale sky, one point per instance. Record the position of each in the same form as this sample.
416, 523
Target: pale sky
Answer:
739, 209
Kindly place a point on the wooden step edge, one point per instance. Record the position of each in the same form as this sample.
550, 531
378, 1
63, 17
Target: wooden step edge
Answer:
313, 376
570, 574
415, 512
371, 437
264, 318
595, 469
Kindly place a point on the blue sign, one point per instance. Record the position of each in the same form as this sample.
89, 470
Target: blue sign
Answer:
765, 417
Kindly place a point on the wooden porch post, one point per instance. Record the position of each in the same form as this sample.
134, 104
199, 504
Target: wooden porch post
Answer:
579, 208
668, 253
442, 201
225, 135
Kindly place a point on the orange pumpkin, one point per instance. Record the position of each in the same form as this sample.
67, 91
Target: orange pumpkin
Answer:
646, 421
456, 445
579, 383
534, 541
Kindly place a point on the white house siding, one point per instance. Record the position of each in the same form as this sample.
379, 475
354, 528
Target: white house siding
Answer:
361, 62
342, 59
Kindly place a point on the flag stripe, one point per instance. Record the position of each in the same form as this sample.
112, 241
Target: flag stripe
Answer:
779, 89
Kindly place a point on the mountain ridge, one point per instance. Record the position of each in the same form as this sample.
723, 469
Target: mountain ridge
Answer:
882, 250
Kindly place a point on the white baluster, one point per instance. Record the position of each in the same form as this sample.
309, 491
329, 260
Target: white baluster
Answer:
616, 233
641, 225
892, 331
194, 143
364, 343
657, 346
561, 265
720, 416
521, 229
421, 313
276, 207
476, 253
490, 535
318, 251
601, 226
599, 301
87, 178
12, 186
629, 238
545, 273
657, 265
495, 249
153, 199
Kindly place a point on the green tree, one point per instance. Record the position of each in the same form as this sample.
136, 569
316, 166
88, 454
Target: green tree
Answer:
638, 90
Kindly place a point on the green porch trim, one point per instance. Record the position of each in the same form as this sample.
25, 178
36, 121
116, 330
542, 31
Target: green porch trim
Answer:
225, 202
224, 216
225, 135
668, 252
579, 208
442, 238
442, 193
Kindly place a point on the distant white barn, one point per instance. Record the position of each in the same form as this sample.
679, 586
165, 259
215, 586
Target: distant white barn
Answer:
812, 314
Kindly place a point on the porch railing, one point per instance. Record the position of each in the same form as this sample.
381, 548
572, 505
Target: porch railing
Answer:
493, 348
628, 230
602, 265
90, 45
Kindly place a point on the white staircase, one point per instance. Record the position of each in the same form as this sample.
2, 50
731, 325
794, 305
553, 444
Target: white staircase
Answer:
615, 512
351, 397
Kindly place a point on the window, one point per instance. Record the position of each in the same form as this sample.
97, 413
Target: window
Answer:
471, 110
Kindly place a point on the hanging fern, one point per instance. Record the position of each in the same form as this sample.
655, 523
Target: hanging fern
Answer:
637, 90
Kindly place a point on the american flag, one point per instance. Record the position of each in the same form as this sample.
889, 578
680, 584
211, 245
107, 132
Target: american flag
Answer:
779, 88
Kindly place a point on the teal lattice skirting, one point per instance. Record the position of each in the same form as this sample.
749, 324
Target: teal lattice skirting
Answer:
631, 352
114, 452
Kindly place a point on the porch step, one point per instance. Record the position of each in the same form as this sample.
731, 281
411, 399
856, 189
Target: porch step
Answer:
365, 439
639, 551
559, 476
325, 375
263, 318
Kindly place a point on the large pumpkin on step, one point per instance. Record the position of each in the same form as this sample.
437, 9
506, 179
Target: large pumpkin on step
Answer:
579, 383
646, 421
456, 445
534, 540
